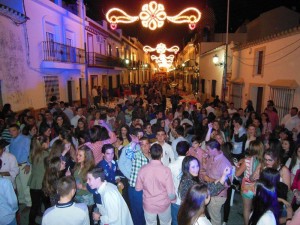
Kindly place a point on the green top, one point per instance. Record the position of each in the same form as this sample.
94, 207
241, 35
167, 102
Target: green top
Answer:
37, 172
78, 179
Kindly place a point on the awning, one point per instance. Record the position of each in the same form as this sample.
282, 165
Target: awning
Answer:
291, 84
238, 80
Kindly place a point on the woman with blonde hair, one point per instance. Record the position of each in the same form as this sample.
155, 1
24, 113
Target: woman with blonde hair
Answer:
85, 162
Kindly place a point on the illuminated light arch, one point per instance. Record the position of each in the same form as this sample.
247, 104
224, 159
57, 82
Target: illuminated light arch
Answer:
161, 48
153, 16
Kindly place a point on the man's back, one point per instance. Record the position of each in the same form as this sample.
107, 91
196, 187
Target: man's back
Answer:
67, 214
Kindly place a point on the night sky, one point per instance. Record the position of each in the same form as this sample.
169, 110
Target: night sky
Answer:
171, 34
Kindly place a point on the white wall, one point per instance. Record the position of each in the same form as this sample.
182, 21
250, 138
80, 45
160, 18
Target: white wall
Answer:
281, 62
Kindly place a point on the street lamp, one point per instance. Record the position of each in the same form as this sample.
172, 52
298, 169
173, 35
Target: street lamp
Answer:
216, 61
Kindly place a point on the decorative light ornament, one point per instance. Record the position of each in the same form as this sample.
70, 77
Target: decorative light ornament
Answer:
162, 60
115, 16
153, 16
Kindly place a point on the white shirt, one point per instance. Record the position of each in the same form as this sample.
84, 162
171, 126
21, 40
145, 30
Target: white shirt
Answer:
176, 170
202, 221
168, 154
9, 164
267, 218
290, 122
113, 210
74, 120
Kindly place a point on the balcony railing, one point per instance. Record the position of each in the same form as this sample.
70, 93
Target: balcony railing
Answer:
57, 52
96, 59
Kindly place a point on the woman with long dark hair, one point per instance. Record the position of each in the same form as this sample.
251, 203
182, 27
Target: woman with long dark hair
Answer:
265, 205
192, 209
190, 177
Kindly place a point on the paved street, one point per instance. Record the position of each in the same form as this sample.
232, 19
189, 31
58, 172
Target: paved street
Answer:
235, 217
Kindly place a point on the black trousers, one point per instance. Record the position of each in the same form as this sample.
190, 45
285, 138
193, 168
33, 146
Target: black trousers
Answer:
36, 198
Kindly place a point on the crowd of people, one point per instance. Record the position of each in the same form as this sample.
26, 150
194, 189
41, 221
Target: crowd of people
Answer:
136, 161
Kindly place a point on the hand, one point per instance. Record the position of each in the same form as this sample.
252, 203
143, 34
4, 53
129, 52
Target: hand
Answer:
210, 125
96, 216
227, 171
102, 123
120, 185
68, 172
79, 186
66, 149
26, 169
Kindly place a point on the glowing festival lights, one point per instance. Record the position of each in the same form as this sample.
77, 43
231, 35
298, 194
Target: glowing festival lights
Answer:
162, 60
153, 16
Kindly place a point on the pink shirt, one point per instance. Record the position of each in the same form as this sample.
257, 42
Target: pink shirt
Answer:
155, 180
215, 167
96, 147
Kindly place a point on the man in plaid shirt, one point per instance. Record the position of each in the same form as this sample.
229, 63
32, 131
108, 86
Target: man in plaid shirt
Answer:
139, 152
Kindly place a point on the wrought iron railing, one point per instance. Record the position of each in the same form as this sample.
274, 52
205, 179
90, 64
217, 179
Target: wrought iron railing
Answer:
58, 52
96, 59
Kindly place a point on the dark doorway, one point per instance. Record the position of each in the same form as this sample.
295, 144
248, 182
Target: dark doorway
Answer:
70, 92
259, 99
110, 86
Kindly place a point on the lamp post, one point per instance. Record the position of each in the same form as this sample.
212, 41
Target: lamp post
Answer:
225, 56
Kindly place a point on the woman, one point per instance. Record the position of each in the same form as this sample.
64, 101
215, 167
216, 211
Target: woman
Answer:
38, 153
213, 130
287, 150
265, 205
172, 133
62, 122
192, 209
124, 135
266, 127
293, 163
95, 120
190, 177
53, 173
85, 161
250, 167
81, 129
251, 136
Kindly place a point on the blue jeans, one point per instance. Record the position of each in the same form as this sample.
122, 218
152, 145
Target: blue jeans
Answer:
174, 213
136, 205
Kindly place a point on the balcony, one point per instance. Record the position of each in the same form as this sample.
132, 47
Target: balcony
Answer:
98, 60
56, 52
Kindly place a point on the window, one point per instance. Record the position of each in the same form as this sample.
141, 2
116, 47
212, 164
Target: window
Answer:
109, 50
50, 44
283, 99
203, 86
259, 62
213, 88
51, 87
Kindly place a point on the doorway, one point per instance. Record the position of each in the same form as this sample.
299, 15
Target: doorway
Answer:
256, 95
70, 92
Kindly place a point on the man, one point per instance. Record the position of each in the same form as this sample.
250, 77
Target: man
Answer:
68, 111
238, 138
179, 132
8, 164
175, 98
291, 120
158, 191
95, 96
158, 115
168, 154
139, 153
120, 118
215, 166
20, 148
66, 211
176, 169
231, 109
113, 210
168, 121
79, 114
9, 203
